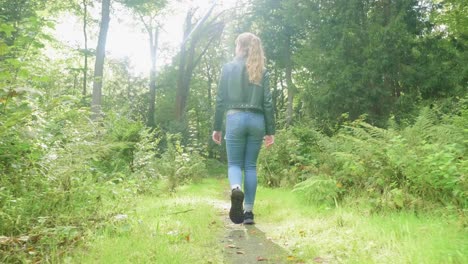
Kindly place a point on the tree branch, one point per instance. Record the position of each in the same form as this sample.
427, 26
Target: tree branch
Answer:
203, 52
148, 28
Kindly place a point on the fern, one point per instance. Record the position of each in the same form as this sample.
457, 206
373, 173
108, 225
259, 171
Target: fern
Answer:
421, 130
319, 189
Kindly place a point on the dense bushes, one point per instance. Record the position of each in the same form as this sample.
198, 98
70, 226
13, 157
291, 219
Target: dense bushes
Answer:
412, 167
180, 165
59, 171
62, 173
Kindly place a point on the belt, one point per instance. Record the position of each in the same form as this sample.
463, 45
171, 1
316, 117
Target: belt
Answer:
239, 110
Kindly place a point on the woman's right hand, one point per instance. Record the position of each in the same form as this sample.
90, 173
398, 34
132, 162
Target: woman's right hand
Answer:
217, 135
269, 140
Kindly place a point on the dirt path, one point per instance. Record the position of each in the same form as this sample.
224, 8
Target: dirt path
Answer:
248, 244
244, 244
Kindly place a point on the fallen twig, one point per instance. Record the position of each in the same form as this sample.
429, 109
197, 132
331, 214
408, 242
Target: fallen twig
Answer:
181, 212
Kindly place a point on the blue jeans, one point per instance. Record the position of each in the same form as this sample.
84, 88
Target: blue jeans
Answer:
244, 137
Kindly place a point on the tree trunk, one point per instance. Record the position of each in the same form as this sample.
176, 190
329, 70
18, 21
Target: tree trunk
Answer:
209, 98
210, 85
152, 99
188, 62
275, 92
282, 91
289, 110
180, 102
85, 68
190, 66
100, 55
291, 87
378, 107
75, 80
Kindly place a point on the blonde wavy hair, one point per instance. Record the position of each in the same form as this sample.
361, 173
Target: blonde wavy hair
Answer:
251, 48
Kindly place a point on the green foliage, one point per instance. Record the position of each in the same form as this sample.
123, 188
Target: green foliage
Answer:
414, 167
452, 14
145, 7
18, 147
57, 175
373, 58
121, 136
179, 165
423, 162
319, 189
291, 161
144, 162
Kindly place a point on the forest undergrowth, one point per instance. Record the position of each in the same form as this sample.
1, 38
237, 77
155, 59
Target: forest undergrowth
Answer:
79, 183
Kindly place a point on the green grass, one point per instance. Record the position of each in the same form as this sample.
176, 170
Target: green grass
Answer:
351, 235
180, 228
186, 227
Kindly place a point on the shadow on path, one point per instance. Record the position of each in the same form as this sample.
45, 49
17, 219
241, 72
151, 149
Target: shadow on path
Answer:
245, 244
248, 244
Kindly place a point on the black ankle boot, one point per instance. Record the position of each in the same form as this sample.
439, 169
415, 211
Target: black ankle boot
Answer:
249, 218
236, 214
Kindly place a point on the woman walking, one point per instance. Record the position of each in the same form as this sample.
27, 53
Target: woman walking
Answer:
244, 95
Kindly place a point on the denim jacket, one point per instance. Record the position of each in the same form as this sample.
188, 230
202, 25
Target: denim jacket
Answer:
236, 92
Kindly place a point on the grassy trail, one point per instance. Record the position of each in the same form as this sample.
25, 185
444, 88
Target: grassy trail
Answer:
190, 226
183, 227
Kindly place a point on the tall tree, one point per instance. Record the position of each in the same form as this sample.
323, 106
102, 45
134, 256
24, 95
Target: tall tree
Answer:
81, 9
100, 55
280, 35
357, 56
148, 12
292, 89
201, 100
191, 52
446, 53
152, 100
85, 36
